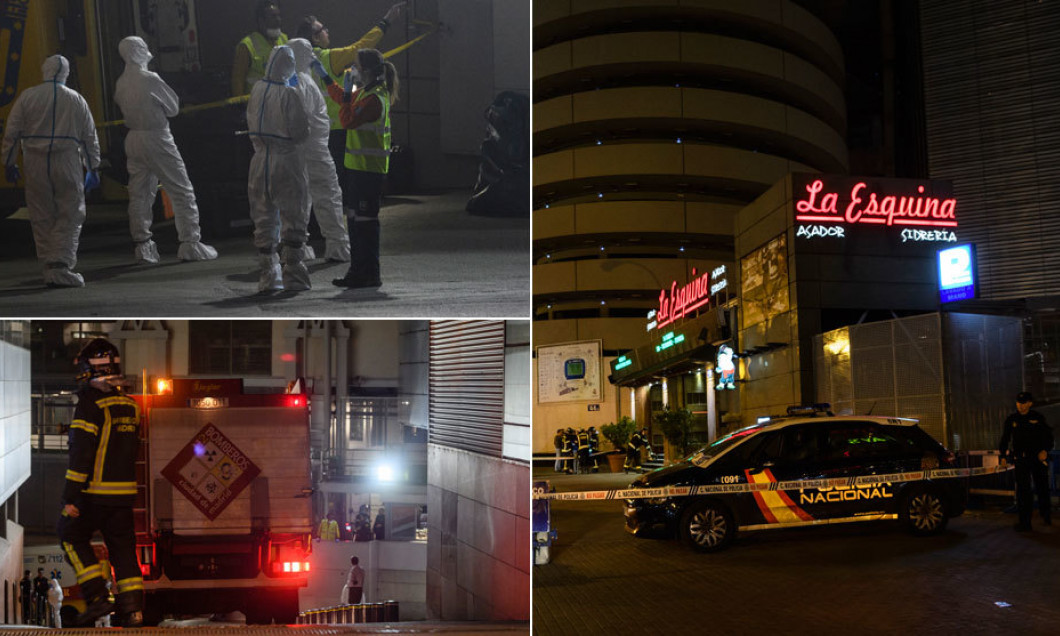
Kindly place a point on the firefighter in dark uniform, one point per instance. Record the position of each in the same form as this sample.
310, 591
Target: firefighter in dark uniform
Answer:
633, 452
100, 487
594, 448
559, 441
570, 450
583, 451
1031, 439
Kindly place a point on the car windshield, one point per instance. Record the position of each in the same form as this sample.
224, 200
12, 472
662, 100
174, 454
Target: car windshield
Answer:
719, 446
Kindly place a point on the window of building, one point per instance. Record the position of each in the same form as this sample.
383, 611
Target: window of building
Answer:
222, 347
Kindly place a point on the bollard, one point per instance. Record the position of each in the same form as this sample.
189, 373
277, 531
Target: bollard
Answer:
347, 614
360, 613
391, 612
375, 612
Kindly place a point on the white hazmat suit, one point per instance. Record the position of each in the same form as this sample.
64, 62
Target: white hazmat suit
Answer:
277, 187
147, 103
58, 135
323, 179
55, 600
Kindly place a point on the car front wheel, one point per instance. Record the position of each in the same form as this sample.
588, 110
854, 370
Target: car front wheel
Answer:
707, 526
924, 512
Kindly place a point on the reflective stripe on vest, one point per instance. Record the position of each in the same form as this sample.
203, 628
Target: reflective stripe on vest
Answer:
324, 55
259, 49
368, 145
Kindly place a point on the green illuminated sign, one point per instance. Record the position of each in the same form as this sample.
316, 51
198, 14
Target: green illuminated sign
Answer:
622, 363
669, 340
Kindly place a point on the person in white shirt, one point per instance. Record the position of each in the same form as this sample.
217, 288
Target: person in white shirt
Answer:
355, 582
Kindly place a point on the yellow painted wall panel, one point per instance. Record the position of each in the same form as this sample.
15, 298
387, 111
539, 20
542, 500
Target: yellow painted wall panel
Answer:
622, 48
551, 60
553, 167
557, 221
553, 113
552, 278
654, 101
631, 158
630, 216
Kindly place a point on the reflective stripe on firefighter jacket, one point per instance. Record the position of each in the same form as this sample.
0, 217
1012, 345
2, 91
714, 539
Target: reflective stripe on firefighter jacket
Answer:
368, 145
104, 444
260, 49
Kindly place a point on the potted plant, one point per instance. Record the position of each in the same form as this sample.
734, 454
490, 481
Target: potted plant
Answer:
676, 426
618, 433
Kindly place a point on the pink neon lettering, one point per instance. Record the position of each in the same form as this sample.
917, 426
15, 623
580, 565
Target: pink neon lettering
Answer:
683, 300
865, 206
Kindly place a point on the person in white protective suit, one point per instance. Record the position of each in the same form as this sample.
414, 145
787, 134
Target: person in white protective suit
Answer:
57, 135
55, 601
147, 103
323, 179
277, 187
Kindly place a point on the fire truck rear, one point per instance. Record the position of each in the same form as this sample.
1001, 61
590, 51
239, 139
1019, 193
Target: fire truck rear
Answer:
223, 519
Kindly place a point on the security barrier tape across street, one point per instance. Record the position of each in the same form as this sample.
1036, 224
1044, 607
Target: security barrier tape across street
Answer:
798, 484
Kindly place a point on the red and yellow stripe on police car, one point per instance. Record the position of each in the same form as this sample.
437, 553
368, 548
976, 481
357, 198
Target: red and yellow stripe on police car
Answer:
776, 506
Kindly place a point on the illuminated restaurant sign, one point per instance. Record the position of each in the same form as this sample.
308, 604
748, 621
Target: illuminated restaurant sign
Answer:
677, 302
831, 207
957, 273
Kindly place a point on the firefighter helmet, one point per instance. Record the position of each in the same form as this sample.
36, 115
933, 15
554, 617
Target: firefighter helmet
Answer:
98, 359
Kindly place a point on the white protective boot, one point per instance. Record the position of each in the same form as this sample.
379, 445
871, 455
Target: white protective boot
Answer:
295, 273
147, 252
308, 253
270, 279
337, 251
59, 275
196, 251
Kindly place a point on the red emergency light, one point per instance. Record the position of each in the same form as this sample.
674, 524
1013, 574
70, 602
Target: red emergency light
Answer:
296, 400
289, 567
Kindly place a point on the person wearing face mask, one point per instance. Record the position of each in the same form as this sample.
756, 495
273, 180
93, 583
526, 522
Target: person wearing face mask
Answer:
277, 187
55, 129
147, 103
365, 114
336, 60
248, 66
324, 191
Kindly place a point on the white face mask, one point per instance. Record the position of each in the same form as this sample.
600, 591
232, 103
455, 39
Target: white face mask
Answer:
272, 33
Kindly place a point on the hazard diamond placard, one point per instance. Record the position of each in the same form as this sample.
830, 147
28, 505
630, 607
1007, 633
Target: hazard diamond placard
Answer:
210, 471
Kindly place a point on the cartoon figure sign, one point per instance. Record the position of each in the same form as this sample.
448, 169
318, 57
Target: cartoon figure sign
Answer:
726, 369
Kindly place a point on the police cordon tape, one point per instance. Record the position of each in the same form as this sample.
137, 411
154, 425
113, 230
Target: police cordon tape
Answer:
242, 99
798, 484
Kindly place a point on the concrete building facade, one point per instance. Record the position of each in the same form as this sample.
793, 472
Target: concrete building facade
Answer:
14, 456
654, 124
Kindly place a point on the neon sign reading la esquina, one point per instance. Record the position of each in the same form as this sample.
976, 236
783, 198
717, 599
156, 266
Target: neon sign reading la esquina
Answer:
864, 204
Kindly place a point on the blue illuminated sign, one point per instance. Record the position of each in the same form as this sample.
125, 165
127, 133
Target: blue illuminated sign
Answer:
957, 273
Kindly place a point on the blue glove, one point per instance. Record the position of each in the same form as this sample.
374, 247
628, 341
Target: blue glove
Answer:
292, 81
318, 68
91, 181
13, 174
350, 79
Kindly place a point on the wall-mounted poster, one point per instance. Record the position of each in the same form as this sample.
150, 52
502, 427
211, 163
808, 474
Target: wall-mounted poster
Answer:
569, 372
765, 282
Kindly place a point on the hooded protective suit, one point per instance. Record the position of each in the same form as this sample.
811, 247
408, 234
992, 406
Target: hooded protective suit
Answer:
323, 179
277, 188
57, 134
146, 103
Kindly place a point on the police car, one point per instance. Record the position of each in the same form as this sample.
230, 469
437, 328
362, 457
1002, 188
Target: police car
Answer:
807, 468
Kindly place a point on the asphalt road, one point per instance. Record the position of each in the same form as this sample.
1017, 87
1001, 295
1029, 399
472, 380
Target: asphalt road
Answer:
437, 261
863, 578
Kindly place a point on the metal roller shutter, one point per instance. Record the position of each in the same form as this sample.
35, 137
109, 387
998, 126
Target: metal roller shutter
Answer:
467, 385
991, 85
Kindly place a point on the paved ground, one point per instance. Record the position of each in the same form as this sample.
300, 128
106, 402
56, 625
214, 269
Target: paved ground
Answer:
438, 261
865, 579
204, 626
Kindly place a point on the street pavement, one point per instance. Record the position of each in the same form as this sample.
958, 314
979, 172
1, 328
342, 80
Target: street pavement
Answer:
871, 578
437, 261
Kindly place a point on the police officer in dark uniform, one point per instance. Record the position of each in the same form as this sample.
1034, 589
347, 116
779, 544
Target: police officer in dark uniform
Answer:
594, 448
100, 487
1031, 439
633, 452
